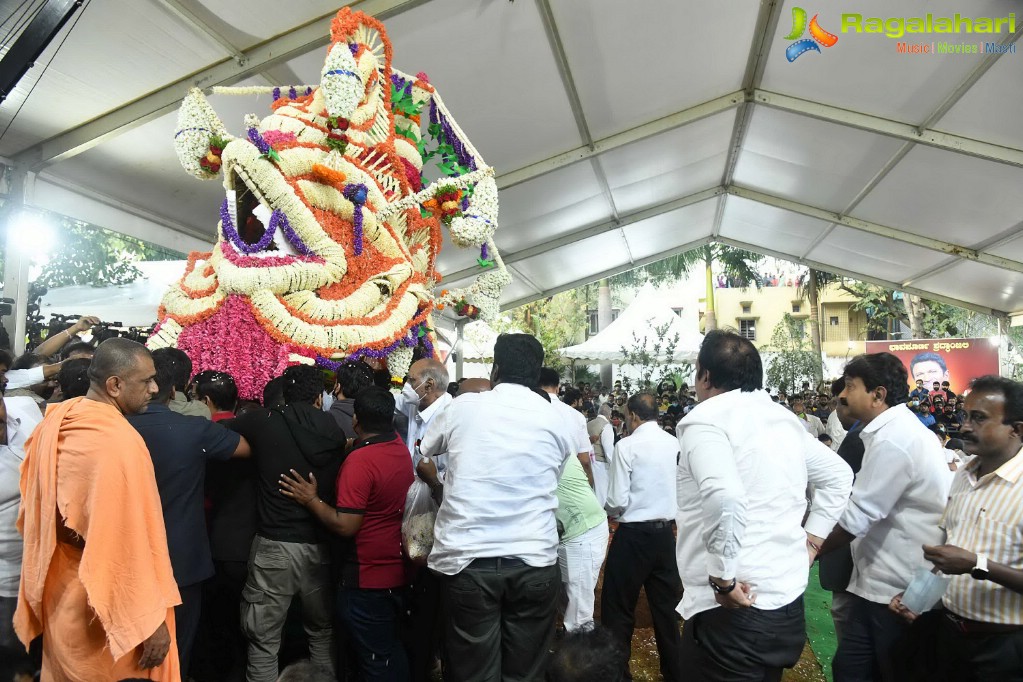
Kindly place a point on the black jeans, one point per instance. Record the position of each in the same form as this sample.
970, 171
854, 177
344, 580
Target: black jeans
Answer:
372, 621
500, 621
978, 657
643, 556
867, 650
743, 645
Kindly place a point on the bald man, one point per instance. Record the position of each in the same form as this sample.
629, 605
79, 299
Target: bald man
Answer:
96, 575
473, 386
424, 396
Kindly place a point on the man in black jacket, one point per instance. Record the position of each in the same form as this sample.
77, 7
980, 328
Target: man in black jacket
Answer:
289, 554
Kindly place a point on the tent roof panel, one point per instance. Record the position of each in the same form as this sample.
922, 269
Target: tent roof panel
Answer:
979, 283
874, 256
993, 107
670, 165
670, 230
794, 156
634, 62
768, 226
119, 50
500, 80
570, 263
864, 71
948, 196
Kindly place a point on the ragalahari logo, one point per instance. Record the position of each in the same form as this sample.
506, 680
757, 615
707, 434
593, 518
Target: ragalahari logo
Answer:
818, 36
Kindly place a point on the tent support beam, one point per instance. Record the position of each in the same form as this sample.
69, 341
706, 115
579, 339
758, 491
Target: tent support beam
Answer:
611, 272
890, 128
568, 81
296, 42
876, 229
579, 235
642, 132
861, 277
186, 15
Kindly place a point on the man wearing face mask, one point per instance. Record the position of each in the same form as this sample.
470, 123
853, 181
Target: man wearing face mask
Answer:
423, 397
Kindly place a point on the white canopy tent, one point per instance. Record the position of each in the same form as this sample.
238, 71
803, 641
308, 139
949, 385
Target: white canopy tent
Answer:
637, 327
622, 132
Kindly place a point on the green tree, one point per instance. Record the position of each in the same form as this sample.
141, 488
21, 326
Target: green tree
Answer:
655, 365
94, 256
810, 289
792, 360
556, 322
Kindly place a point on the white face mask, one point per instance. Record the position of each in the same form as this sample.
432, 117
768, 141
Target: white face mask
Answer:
410, 394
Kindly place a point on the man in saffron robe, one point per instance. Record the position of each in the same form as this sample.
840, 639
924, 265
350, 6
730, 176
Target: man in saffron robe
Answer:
96, 576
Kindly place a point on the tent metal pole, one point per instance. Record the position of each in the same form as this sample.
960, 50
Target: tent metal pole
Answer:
16, 261
460, 345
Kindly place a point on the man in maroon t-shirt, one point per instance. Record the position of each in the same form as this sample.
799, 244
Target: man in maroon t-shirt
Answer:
371, 490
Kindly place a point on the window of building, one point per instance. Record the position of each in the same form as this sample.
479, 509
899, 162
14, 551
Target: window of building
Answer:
677, 311
799, 328
593, 321
748, 329
747, 308
833, 320
796, 307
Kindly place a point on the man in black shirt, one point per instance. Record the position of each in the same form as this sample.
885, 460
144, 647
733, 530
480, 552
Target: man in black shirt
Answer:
289, 554
180, 447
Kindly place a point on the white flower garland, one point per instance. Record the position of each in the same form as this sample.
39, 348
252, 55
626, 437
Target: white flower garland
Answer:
197, 123
341, 81
399, 361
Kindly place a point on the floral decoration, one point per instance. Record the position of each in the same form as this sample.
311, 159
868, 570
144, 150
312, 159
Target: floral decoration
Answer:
329, 232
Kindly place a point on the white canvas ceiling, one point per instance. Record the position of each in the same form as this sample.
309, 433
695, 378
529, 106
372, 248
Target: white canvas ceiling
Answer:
622, 132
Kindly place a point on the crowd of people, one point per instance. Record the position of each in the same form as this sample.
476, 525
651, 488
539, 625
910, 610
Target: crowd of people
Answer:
154, 526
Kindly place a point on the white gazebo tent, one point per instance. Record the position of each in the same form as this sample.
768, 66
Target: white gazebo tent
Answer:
637, 326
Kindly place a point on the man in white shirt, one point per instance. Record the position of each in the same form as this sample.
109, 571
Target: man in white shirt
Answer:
602, 437
574, 419
496, 538
424, 396
641, 496
896, 504
20, 416
980, 633
742, 550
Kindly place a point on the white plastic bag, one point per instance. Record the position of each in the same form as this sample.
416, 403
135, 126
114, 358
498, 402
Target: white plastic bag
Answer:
417, 523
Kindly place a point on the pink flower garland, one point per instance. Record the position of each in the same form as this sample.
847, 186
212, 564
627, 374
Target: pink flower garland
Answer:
233, 341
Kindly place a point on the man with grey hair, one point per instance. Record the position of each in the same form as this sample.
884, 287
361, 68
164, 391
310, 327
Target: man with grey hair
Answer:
424, 396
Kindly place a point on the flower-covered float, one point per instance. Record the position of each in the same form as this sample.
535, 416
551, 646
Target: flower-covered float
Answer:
330, 228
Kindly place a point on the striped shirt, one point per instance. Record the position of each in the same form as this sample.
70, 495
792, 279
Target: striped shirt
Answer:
985, 516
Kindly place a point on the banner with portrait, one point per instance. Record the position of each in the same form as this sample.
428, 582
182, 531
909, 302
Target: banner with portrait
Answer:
956, 361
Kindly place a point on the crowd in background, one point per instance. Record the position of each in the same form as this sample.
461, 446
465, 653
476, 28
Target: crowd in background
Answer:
460, 529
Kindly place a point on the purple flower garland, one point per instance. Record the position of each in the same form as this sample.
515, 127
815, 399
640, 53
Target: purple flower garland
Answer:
357, 194
231, 232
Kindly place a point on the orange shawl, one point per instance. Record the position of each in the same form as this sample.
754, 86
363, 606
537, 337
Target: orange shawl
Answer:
87, 461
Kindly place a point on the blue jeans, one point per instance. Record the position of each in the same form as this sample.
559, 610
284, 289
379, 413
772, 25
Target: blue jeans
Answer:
372, 619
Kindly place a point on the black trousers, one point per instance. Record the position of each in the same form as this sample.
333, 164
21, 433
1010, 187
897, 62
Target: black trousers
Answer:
186, 623
642, 555
425, 624
500, 621
868, 650
978, 657
743, 645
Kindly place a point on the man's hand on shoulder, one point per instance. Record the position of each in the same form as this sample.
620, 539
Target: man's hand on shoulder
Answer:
155, 648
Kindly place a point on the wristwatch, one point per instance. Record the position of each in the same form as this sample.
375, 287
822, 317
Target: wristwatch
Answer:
979, 572
722, 590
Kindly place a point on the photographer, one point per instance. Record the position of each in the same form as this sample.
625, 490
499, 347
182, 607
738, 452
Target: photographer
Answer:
38, 374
